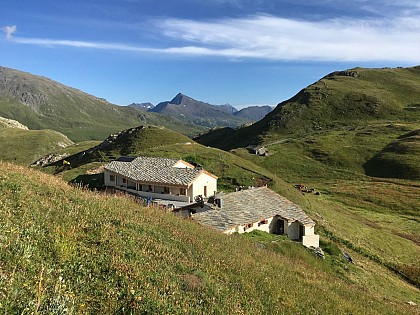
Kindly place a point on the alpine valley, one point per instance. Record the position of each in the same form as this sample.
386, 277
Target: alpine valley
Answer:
351, 139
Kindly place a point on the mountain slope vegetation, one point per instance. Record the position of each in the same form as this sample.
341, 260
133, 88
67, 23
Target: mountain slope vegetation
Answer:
331, 163
10, 123
376, 217
96, 253
329, 137
23, 146
399, 159
41, 103
82, 252
341, 99
232, 170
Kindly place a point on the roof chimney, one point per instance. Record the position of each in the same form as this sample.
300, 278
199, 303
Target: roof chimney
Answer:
219, 202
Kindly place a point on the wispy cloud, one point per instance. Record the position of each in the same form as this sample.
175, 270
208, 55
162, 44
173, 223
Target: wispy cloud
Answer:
276, 38
273, 38
9, 30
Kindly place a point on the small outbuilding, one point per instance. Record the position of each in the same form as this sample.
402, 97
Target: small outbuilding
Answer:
256, 209
256, 149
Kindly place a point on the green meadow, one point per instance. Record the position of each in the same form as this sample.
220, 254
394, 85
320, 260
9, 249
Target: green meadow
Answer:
68, 250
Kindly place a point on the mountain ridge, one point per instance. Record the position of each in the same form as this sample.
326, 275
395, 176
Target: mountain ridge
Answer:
205, 114
42, 103
143, 106
254, 112
338, 100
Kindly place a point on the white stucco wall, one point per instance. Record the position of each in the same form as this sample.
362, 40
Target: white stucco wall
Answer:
182, 164
310, 240
197, 188
106, 178
293, 230
118, 179
144, 191
265, 227
309, 230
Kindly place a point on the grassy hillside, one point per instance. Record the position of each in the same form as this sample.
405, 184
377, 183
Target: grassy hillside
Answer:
386, 215
232, 170
378, 218
399, 159
25, 146
127, 142
344, 153
354, 97
65, 250
41, 103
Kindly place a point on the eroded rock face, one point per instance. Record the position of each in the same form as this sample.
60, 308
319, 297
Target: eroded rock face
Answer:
345, 73
16, 87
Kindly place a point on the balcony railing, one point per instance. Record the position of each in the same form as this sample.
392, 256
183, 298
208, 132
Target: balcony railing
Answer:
147, 194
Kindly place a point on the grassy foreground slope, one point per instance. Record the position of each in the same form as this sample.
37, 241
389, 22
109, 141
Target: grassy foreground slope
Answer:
65, 250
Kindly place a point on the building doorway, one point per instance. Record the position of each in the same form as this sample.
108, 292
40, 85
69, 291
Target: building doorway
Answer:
277, 226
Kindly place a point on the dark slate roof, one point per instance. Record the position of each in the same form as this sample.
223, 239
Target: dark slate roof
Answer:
250, 206
154, 170
126, 158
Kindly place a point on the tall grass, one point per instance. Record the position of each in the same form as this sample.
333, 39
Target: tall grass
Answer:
66, 250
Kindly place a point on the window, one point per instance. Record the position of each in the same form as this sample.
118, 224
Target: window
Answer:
262, 222
150, 188
124, 180
248, 226
112, 178
205, 191
166, 190
182, 191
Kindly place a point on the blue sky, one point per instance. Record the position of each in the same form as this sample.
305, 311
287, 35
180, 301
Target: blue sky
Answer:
240, 52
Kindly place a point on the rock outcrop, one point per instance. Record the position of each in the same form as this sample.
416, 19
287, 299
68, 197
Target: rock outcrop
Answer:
10, 123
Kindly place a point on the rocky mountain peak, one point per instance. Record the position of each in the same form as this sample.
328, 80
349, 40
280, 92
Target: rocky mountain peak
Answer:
180, 99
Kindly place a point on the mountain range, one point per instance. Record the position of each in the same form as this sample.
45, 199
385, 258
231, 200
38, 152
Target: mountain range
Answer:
200, 113
143, 106
41, 103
